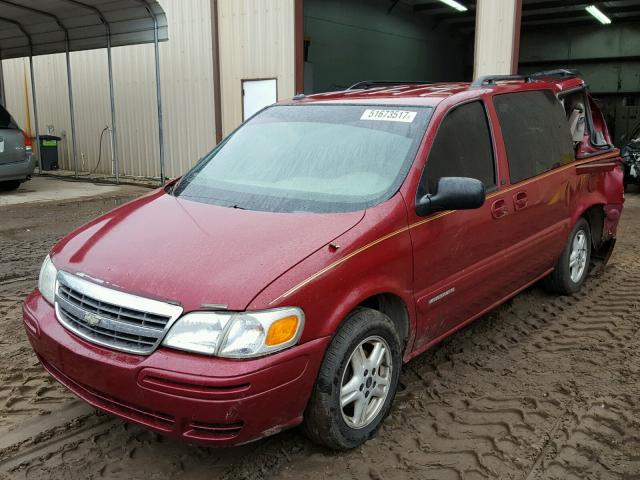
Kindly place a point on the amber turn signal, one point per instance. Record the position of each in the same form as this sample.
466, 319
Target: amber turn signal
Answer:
282, 331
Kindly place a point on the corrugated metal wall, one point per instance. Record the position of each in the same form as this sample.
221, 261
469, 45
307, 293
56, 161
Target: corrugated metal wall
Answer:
256, 41
187, 82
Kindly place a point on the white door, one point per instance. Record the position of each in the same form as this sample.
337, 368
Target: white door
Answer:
257, 94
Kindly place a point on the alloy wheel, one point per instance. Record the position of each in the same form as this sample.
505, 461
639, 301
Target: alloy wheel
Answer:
578, 256
366, 382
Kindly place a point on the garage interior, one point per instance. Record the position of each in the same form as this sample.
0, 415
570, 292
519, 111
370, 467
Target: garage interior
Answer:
347, 41
350, 41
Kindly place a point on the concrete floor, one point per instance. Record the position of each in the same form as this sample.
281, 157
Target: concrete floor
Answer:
47, 189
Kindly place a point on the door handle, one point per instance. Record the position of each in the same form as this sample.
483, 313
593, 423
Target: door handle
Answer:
520, 200
499, 208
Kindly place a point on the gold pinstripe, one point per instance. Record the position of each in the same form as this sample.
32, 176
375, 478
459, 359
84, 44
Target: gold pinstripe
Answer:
340, 261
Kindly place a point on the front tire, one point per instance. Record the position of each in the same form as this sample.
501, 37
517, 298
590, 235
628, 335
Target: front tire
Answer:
357, 381
573, 265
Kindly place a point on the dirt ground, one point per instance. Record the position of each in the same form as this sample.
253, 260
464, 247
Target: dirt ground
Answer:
543, 388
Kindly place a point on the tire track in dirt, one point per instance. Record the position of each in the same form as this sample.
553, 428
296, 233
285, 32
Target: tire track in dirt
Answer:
26, 390
599, 440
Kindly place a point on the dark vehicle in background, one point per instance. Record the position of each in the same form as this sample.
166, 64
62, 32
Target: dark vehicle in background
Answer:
16, 159
631, 158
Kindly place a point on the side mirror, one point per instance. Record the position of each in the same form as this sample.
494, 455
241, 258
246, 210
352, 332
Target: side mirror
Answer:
454, 193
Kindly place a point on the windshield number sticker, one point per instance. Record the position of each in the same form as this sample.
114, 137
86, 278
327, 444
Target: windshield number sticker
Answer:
389, 115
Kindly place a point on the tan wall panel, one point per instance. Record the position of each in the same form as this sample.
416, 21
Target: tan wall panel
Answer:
256, 41
187, 87
496, 30
15, 73
51, 88
187, 76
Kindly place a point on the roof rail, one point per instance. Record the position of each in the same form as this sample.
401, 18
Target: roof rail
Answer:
365, 84
559, 72
492, 79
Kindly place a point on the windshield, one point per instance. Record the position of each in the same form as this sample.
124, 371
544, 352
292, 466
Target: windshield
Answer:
310, 158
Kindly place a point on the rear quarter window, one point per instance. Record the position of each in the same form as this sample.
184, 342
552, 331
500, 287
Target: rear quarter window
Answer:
535, 131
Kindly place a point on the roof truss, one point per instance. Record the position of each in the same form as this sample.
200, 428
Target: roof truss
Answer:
40, 27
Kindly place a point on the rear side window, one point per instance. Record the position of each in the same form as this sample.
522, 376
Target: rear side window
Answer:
462, 148
5, 119
536, 132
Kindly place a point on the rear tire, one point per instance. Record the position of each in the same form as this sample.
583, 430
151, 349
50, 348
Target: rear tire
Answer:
9, 186
573, 265
357, 381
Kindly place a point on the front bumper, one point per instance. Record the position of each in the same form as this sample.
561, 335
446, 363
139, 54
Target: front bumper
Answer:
194, 397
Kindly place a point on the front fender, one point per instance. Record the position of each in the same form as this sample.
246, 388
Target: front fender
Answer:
374, 257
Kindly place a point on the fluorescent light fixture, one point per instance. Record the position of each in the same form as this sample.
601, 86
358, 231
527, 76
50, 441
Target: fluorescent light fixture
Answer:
595, 11
457, 5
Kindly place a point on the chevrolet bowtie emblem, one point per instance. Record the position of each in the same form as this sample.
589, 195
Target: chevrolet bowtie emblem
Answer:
92, 319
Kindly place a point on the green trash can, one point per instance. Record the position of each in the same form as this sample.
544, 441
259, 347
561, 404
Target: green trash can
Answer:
49, 152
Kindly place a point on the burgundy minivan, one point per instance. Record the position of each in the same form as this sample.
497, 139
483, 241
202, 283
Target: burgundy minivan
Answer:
291, 272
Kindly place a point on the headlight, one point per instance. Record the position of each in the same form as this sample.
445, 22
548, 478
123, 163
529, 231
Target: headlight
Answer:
237, 335
47, 280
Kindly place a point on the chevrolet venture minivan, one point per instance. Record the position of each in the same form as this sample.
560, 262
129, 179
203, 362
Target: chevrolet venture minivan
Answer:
287, 277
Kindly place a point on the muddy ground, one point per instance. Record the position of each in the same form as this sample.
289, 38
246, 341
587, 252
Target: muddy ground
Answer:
543, 388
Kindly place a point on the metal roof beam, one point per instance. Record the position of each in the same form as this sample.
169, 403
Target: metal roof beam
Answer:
571, 16
580, 21
156, 40
433, 5
526, 6
33, 84
114, 136
95, 10
438, 5
570, 10
81, 23
40, 12
21, 28
69, 83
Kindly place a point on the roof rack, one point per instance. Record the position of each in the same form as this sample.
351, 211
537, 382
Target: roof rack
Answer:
557, 73
366, 84
492, 79
478, 83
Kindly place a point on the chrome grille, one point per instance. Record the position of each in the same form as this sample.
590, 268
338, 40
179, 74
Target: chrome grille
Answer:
143, 319
112, 318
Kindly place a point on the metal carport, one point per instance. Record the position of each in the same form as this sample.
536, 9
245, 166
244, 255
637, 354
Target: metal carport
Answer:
40, 27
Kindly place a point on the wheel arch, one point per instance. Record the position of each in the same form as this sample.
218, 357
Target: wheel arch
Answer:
395, 308
595, 216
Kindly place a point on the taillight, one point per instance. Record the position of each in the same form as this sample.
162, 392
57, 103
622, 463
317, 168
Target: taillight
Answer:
28, 146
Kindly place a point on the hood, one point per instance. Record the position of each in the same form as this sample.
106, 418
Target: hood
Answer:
167, 248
